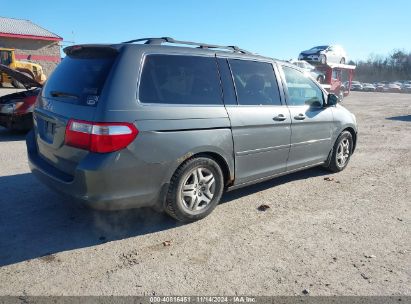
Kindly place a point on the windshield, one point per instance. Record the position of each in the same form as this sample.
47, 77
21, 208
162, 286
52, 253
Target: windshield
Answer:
321, 47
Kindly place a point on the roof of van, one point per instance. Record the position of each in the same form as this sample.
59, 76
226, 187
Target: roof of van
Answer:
196, 50
170, 44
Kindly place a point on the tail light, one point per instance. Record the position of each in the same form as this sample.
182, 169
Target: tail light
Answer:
99, 137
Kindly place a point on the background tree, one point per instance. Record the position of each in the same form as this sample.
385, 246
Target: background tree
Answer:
395, 66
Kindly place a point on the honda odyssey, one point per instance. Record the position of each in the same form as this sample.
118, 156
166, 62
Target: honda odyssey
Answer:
172, 124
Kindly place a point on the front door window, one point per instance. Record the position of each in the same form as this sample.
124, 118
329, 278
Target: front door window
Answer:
301, 89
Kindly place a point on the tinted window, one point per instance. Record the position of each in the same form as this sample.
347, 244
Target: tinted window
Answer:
255, 83
301, 89
321, 47
180, 80
79, 80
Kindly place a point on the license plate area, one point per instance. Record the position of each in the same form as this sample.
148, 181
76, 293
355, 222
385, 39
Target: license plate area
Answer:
46, 130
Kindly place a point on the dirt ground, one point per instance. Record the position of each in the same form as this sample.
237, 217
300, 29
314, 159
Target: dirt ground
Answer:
349, 235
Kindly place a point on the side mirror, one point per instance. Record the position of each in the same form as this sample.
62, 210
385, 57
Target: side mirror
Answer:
332, 100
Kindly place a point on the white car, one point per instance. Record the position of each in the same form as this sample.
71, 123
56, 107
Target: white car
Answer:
316, 74
324, 54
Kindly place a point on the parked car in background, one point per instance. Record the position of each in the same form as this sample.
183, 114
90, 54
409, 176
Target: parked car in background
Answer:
380, 86
141, 123
392, 88
398, 83
324, 54
406, 88
16, 109
368, 87
316, 74
356, 86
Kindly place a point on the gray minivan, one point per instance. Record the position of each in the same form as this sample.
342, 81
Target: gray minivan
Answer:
170, 126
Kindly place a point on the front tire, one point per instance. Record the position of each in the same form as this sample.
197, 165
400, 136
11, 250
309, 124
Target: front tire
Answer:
195, 189
323, 59
342, 61
341, 153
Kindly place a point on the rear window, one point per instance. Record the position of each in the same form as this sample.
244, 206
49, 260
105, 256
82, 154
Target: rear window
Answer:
79, 79
176, 79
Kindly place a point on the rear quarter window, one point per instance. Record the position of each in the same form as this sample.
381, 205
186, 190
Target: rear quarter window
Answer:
79, 79
178, 79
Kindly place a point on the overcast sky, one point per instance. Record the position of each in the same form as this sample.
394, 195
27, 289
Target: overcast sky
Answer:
272, 28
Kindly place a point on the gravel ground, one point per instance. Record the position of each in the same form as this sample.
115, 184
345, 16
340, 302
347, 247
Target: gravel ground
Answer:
349, 235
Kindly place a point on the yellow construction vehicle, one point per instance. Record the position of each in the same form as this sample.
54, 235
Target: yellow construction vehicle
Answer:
33, 70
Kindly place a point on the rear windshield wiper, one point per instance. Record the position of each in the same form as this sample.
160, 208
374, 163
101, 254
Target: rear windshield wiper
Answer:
63, 94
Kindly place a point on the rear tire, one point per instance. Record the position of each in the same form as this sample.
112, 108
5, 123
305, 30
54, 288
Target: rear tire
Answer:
341, 153
195, 190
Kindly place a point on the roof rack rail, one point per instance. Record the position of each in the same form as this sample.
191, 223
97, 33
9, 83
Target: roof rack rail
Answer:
159, 41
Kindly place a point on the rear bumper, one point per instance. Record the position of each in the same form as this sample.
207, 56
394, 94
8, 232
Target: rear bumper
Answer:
103, 183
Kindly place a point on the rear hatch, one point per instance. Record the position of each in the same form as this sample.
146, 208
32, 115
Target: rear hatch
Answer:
73, 91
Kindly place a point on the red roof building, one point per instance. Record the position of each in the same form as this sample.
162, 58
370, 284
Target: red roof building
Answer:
31, 42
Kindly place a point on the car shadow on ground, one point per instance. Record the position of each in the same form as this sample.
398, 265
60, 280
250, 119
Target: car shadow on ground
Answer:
400, 118
36, 222
7, 135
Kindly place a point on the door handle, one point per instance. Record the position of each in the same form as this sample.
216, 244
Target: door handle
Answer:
280, 117
300, 116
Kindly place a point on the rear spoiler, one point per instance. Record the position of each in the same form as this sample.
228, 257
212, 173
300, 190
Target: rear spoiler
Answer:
25, 80
90, 51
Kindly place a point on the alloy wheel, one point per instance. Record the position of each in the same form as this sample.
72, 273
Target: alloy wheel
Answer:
343, 152
197, 190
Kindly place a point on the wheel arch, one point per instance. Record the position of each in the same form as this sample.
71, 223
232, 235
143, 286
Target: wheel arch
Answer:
221, 161
354, 138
